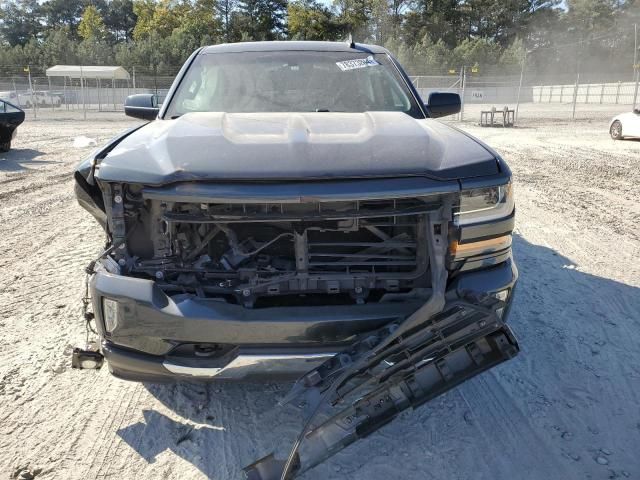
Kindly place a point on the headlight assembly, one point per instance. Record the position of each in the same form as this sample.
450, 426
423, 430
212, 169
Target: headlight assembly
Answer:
485, 204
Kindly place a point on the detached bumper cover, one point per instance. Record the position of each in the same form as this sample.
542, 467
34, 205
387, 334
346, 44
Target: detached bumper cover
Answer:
461, 342
151, 324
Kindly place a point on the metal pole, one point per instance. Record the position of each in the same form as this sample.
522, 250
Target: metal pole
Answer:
16, 90
636, 67
84, 100
575, 96
635, 48
134, 80
113, 91
50, 95
635, 93
460, 92
64, 91
464, 84
33, 105
524, 61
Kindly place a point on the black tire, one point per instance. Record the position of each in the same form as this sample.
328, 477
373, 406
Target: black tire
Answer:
5, 147
616, 130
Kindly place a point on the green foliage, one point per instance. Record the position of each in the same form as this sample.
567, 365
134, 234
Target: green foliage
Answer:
427, 36
260, 20
309, 20
20, 21
91, 27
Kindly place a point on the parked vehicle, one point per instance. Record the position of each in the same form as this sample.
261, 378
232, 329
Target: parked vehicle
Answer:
9, 97
294, 208
67, 96
11, 117
625, 125
40, 98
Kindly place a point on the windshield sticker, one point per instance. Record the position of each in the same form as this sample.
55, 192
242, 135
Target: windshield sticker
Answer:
357, 63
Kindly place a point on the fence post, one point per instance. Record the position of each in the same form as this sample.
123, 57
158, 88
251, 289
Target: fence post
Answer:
550, 93
16, 90
464, 84
524, 61
64, 92
575, 96
635, 93
586, 100
618, 91
561, 93
84, 100
50, 96
33, 105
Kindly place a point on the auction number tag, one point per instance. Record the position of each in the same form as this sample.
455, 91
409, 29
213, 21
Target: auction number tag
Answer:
357, 63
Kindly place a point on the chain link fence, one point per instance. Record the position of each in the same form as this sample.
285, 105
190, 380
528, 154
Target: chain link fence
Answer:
41, 95
544, 89
593, 78
537, 98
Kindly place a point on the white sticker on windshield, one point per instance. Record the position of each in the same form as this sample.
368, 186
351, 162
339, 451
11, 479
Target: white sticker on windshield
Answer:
357, 63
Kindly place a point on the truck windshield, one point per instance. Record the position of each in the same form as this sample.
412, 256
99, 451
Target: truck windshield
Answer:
292, 81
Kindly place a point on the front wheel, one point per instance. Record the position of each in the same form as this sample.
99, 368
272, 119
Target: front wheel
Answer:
616, 130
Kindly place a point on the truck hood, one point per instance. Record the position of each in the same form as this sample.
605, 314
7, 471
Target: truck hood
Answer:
294, 146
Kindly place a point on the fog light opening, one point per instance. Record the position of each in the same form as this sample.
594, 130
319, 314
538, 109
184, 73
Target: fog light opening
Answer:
111, 313
503, 296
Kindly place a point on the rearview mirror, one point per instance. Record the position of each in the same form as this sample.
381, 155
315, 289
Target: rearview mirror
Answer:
142, 105
441, 104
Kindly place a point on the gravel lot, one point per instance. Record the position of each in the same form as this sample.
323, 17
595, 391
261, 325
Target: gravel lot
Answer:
567, 408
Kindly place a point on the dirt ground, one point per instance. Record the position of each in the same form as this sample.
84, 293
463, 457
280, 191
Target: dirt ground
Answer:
567, 408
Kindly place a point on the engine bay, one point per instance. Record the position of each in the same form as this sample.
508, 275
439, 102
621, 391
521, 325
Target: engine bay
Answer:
265, 254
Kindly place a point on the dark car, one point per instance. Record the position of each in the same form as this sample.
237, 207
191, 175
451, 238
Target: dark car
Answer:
295, 208
11, 117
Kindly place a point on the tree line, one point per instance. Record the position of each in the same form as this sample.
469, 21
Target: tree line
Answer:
428, 36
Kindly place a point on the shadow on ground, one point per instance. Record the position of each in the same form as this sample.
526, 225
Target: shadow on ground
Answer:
577, 332
19, 159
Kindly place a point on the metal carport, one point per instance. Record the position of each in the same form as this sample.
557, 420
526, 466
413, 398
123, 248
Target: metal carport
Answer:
84, 73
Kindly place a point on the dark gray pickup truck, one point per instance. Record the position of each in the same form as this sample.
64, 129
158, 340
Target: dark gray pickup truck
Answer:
294, 208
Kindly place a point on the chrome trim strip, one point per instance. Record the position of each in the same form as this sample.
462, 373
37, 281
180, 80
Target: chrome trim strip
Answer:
244, 365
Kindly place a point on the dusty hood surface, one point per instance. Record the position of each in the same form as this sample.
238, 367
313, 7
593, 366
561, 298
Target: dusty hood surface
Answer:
289, 146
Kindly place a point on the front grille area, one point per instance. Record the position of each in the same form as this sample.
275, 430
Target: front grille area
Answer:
253, 250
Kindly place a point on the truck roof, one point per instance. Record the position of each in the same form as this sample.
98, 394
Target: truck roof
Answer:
276, 46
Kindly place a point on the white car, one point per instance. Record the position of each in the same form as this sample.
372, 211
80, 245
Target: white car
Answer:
11, 97
625, 125
40, 98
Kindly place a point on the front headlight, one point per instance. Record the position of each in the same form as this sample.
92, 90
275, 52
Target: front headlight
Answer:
485, 204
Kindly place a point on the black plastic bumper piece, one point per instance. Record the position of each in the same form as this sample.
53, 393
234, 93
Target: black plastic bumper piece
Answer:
463, 341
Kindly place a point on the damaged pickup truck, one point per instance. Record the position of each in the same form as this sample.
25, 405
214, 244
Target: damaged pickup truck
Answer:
293, 208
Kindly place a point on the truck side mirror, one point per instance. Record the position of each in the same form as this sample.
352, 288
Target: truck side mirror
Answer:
441, 104
142, 105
